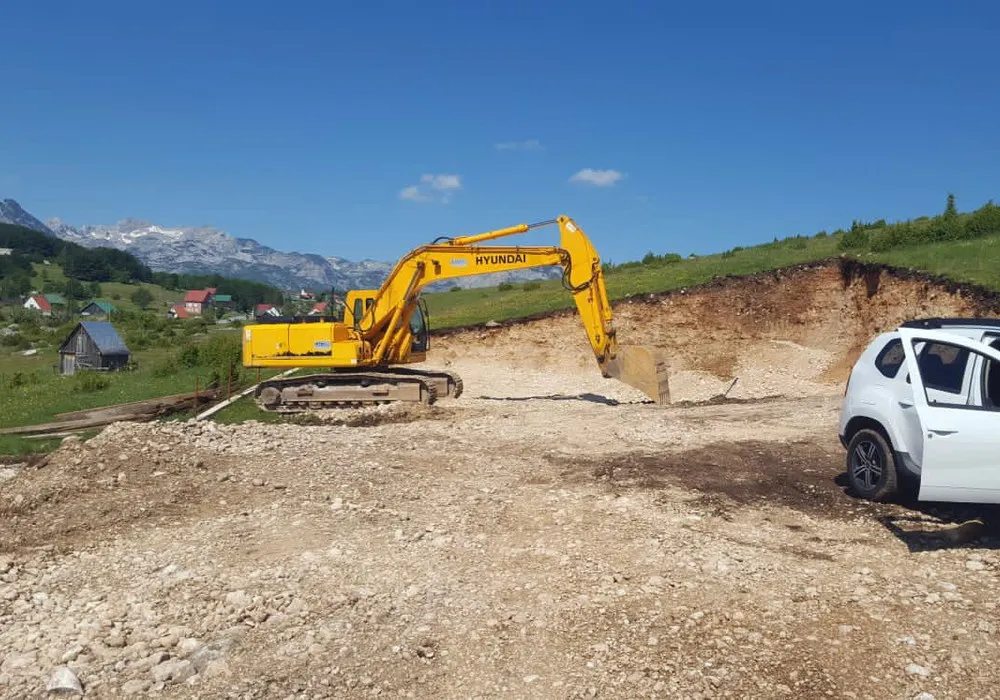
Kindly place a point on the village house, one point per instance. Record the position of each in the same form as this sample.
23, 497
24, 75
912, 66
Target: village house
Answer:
98, 308
197, 300
319, 309
93, 345
45, 303
262, 310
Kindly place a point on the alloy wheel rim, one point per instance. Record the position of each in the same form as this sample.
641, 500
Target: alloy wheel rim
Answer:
866, 464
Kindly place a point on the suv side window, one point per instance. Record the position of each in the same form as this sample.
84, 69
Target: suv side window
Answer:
942, 366
891, 358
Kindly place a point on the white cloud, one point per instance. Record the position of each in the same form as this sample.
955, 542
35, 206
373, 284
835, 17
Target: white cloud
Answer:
526, 145
442, 183
412, 194
597, 178
432, 188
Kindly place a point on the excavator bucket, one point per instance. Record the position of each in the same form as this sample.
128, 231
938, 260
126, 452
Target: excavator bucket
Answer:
642, 367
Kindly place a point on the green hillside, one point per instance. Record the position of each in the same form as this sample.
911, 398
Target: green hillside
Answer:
963, 247
52, 277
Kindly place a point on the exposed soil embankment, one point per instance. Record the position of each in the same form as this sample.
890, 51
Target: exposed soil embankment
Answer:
792, 331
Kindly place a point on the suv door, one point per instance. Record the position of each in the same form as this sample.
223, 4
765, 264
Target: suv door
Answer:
961, 432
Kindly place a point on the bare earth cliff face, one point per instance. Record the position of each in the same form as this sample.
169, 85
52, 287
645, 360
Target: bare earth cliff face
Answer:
549, 534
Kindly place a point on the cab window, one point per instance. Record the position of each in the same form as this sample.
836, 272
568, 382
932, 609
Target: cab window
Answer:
418, 329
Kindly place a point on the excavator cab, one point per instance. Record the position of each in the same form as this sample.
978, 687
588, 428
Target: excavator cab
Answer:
356, 305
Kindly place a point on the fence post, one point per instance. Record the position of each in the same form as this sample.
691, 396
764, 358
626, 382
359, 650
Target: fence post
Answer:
197, 391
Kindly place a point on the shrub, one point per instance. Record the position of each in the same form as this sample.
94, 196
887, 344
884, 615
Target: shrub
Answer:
188, 356
880, 244
983, 221
86, 382
504, 287
531, 285
11, 340
855, 239
15, 380
222, 354
455, 289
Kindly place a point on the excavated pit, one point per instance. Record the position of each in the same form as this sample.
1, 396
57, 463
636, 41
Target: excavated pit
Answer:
791, 332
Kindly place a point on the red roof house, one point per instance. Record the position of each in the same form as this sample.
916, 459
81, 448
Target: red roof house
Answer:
266, 310
38, 302
318, 309
196, 300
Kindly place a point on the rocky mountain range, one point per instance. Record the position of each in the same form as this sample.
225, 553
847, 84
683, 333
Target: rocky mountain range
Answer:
207, 250
12, 213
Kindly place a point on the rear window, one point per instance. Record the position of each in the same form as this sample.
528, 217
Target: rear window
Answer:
891, 358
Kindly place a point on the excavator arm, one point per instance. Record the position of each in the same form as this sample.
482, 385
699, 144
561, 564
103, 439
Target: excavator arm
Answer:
385, 323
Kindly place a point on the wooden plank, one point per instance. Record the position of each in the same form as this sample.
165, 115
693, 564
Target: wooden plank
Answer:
221, 405
140, 411
206, 395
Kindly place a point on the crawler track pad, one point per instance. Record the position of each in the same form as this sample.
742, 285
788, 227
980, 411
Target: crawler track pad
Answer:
642, 367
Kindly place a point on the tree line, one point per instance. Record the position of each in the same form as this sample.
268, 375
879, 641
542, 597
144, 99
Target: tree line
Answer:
245, 293
950, 225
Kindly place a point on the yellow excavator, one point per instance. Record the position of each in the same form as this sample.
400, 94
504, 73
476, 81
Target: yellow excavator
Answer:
359, 358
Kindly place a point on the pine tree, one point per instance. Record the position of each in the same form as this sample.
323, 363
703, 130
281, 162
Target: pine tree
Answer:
949, 209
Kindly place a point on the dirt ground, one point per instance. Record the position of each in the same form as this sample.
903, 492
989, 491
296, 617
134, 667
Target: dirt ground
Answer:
549, 534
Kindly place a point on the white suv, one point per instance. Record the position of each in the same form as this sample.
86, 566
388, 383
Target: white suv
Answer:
923, 403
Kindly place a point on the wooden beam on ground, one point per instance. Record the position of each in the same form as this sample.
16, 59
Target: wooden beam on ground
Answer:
246, 392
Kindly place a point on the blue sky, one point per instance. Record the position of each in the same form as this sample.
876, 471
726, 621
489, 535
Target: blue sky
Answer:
362, 129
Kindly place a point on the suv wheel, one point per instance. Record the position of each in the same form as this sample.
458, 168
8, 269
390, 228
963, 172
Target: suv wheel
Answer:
871, 466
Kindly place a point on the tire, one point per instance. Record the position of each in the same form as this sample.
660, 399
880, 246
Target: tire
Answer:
871, 466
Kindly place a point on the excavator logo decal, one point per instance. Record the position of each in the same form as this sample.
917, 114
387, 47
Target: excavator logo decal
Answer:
507, 259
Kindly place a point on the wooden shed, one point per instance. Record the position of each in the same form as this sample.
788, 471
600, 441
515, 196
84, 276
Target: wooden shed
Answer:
93, 345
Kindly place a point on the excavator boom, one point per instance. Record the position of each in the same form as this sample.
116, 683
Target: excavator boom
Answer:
378, 331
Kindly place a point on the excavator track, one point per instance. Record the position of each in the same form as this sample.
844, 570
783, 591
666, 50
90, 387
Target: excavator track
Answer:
355, 389
448, 383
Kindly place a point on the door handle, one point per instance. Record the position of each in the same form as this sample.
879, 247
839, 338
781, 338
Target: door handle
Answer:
931, 433
905, 404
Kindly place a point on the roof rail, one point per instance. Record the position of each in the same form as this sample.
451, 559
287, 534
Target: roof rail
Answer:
930, 323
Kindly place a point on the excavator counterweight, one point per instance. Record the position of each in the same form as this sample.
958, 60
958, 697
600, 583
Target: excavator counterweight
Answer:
361, 357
